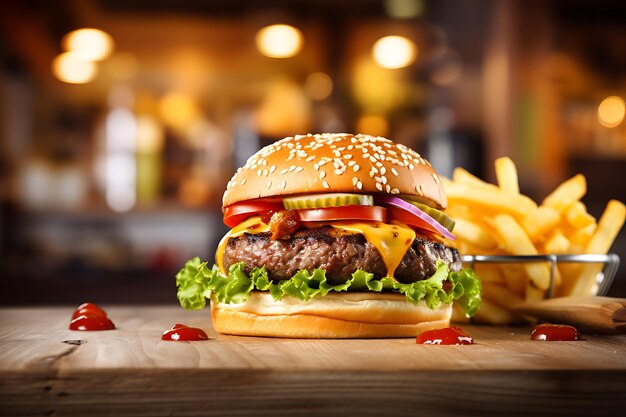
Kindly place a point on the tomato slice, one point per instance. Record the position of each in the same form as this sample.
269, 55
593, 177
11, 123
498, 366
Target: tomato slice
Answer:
403, 216
238, 212
367, 213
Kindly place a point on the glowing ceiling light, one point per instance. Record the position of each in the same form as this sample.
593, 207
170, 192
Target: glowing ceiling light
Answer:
279, 41
611, 111
394, 52
89, 44
318, 86
70, 68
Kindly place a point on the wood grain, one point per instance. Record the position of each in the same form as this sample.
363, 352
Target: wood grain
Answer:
130, 371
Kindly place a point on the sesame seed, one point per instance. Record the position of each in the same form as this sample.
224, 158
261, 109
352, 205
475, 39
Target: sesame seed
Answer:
316, 166
259, 172
383, 170
388, 188
322, 175
384, 179
379, 186
395, 191
243, 181
378, 179
292, 168
338, 172
283, 171
325, 184
310, 158
393, 170
356, 167
436, 178
359, 185
350, 163
373, 159
269, 184
299, 169
283, 184
265, 172
375, 170
354, 180
272, 169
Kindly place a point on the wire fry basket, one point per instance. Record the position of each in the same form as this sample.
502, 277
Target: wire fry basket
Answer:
604, 279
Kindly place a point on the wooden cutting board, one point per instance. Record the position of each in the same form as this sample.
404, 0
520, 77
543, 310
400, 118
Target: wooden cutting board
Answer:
46, 369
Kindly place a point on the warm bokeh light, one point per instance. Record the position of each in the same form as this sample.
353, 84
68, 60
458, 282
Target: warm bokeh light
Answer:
394, 52
318, 86
178, 110
70, 68
150, 135
90, 44
611, 111
372, 124
279, 41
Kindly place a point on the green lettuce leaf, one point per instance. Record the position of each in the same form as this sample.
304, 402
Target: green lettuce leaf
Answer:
196, 282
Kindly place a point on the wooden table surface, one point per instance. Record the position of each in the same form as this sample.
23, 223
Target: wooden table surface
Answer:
45, 369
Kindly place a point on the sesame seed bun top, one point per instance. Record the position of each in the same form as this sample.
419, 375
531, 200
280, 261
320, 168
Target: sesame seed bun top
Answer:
337, 163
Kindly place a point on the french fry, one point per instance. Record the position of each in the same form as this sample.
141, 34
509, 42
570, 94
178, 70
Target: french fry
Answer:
491, 313
489, 199
501, 295
489, 274
557, 243
533, 294
506, 173
499, 220
540, 221
474, 234
462, 176
609, 225
518, 243
580, 237
577, 216
514, 277
567, 193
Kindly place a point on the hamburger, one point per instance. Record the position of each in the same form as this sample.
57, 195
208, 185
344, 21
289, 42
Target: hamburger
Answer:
333, 236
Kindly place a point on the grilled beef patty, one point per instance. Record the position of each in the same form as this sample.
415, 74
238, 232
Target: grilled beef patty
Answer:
338, 253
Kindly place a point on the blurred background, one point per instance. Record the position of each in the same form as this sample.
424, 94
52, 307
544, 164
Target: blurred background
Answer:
122, 120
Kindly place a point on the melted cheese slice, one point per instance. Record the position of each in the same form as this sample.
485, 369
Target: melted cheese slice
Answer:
391, 240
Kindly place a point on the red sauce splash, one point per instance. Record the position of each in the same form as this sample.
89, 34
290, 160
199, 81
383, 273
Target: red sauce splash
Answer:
447, 336
90, 317
183, 333
554, 333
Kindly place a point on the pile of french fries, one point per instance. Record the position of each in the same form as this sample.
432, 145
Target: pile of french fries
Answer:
496, 219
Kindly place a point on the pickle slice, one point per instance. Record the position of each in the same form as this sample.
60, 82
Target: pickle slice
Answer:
441, 217
327, 200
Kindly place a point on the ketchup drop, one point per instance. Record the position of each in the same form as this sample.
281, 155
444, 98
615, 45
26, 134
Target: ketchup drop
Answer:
447, 336
90, 317
183, 333
554, 333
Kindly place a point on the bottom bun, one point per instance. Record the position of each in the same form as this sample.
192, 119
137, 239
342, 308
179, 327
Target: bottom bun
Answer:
345, 315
